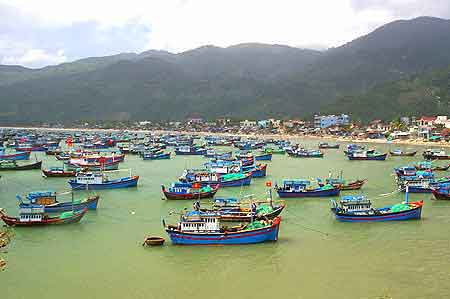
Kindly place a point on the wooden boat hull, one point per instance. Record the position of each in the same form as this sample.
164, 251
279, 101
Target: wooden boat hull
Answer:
58, 174
269, 233
318, 193
36, 165
440, 195
14, 221
396, 216
116, 184
356, 185
15, 157
334, 146
91, 204
190, 196
406, 154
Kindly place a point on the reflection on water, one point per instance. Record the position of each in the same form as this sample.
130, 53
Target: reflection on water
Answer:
315, 257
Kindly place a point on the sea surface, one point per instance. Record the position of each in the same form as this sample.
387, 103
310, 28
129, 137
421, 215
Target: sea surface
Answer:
315, 257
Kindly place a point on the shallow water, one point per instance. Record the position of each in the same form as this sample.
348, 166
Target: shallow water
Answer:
315, 257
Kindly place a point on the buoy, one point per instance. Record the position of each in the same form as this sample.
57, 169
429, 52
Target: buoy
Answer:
133, 212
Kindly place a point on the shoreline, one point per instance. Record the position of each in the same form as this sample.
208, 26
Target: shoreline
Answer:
415, 142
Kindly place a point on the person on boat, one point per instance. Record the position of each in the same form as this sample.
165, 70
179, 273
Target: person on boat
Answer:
196, 206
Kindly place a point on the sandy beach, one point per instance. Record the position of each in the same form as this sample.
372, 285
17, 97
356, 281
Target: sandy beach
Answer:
296, 137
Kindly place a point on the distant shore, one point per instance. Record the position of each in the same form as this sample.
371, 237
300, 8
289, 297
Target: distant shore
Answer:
415, 142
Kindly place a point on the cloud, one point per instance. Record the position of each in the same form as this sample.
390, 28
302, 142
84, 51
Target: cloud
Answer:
36, 58
28, 41
98, 27
405, 8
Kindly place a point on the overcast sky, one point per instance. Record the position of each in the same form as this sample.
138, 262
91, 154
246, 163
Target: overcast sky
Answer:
36, 33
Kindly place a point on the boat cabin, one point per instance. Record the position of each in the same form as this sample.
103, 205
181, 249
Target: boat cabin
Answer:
90, 178
31, 214
196, 221
42, 197
295, 185
355, 203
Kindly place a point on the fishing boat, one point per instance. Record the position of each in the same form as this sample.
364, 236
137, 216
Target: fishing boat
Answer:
30, 148
15, 157
367, 156
274, 151
409, 171
326, 145
441, 192
155, 156
63, 156
428, 165
53, 151
97, 181
14, 165
58, 172
205, 177
233, 210
189, 191
305, 153
420, 183
341, 183
401, 153
190, 150
48, 200
35, 216
75, 164
356, 147
302, 188
435, 154
203, 228
359, 209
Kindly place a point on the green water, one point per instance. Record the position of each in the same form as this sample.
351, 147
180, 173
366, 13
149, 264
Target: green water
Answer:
315, 257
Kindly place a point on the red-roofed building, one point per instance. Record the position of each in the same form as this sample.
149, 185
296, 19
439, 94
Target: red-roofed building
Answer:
426, 121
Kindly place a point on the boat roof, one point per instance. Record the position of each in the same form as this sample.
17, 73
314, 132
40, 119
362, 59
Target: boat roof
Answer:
354, 199
296, 182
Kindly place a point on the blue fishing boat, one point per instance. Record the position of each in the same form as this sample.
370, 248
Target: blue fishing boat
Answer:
420, 184
190, 150
185, 191
15, 157
367, 156
203, 228
301, 188
48, 200
359, 209
97, 181
155, 156
305, 153
356, 147
205, 177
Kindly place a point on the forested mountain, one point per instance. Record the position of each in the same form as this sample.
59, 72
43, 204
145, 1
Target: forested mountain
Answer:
243, 81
